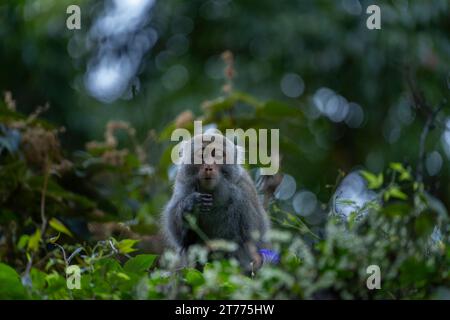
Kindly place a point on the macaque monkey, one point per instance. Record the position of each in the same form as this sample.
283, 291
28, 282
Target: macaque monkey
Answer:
221, 196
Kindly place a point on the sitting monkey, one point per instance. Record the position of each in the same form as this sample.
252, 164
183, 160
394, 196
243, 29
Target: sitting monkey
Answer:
222, 197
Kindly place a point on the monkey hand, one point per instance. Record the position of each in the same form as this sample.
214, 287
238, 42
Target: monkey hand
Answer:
198, 202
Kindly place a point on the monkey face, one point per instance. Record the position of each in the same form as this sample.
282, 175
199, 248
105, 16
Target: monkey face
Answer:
209, 176
210, 158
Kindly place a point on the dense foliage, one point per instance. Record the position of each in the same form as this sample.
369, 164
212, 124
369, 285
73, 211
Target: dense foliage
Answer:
400, 230
368, 186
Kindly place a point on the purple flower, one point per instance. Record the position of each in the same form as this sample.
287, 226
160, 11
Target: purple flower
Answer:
269, 256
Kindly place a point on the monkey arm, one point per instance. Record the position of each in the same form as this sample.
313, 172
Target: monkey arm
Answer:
174, 218
251, 232
252, 223
175, 215
255, 218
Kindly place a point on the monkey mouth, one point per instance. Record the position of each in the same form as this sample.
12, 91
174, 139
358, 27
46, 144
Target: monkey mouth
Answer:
208, 183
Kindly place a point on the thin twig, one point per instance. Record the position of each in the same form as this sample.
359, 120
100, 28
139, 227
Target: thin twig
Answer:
63, 252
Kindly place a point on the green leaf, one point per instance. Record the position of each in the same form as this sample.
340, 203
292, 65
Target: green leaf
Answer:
56, 285
59, 226
397, 166
395, 192
23, 241
108, 265
404, 173
54, 239
126, 245
122, 276
139, 263
10, 285
194, 277
373, 181
37, 279
352, 219
33, 242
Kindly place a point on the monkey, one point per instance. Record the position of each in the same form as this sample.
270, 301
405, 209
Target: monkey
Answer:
223, 199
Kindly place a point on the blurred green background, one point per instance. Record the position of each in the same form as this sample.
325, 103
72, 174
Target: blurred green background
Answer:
344, 97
